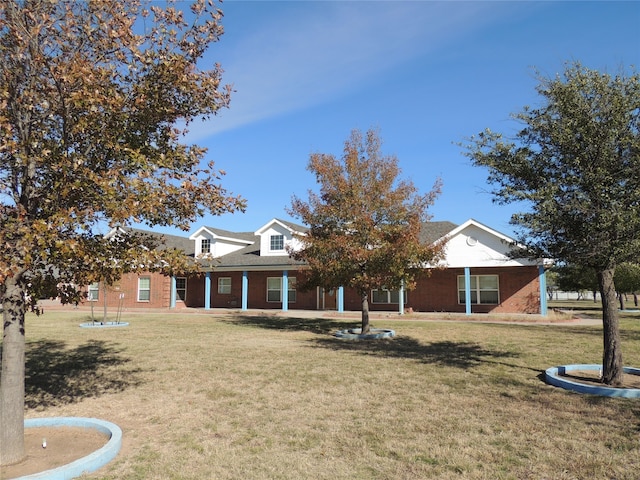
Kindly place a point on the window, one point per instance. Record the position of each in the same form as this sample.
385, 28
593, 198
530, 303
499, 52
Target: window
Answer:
181, 288
387, 296
224, 285
484, 289
93, 293
277, 242
205, 245
144, 289
274, 289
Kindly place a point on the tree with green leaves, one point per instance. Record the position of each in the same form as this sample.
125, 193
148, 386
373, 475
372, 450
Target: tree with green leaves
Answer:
575, 166
364, 224
576, 278
95, 98
627, 280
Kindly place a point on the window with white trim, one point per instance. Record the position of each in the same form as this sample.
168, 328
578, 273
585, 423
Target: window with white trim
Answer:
93, 292
484, 290
205, 245
181, 288
144, 289
224, 285
276, 243
274, 289
383, 295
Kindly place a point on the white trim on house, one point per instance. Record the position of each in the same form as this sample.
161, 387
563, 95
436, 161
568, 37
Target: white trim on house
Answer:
273, 229
219, 245
473, 245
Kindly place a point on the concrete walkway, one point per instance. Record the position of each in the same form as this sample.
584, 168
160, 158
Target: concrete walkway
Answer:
553, 318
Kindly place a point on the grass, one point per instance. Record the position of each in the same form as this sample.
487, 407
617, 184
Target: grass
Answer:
240, 397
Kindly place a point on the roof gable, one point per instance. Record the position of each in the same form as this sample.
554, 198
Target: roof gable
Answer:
473, 244
276, 222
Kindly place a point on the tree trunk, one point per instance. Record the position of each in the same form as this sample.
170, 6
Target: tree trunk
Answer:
13, 369
104, 295
366, 328
621, 298
612, 366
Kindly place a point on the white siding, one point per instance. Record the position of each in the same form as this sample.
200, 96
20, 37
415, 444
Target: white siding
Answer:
474, 246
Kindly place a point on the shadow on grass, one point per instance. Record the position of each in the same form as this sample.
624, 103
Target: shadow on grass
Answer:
56, 375
463, 355
454, 354
323, 326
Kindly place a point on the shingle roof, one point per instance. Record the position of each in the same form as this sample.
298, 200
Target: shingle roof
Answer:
168, 241
432, 231
247, 236
249, 256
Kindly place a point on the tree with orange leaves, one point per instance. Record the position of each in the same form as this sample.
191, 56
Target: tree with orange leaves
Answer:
364, 224
95, 97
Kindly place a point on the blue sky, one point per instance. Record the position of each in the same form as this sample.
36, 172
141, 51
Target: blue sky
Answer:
426, 74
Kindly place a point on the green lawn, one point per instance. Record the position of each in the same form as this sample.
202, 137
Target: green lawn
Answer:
237, 397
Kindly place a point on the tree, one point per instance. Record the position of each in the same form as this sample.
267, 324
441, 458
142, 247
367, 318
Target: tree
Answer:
627, 280
95, 98
577, 278
365, 223
575, 165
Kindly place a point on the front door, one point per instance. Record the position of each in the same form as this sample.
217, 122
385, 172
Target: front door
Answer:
328, 299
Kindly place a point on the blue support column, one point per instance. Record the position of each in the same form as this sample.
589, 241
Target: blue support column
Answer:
172, 295
340, 299
245, 290
285, 291
543, 290
207, 291
467, 290
401, 300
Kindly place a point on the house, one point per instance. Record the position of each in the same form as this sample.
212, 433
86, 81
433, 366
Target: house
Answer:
252, 270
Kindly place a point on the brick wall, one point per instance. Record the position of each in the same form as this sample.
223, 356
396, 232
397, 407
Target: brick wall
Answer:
127, 286
519, 292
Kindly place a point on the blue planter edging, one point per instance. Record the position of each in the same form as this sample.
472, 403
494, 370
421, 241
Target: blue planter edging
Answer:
104, 324
553, 377
87, 464
375, 333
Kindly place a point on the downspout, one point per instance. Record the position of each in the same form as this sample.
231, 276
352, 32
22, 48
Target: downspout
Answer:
401, 300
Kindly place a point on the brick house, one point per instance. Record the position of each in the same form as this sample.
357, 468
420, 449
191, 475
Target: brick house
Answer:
252, 270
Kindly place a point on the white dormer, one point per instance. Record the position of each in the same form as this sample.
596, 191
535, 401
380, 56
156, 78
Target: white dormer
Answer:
276, 236
473, 244
214, 243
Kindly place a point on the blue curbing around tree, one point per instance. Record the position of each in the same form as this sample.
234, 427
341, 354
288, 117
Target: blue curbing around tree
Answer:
553, 376
87, 464
375, 333
104, 324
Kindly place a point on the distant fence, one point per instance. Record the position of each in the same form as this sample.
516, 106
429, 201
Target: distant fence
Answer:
558, 295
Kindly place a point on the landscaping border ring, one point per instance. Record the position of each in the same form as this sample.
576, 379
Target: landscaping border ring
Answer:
374, 333
87, 464
104, 324
553, 376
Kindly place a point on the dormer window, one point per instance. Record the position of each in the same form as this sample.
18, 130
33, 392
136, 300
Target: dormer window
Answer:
205, 246
277, 243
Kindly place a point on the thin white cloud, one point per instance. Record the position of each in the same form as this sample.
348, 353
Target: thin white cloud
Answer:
297, 55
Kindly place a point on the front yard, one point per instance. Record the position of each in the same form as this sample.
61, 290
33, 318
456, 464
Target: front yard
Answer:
217, 396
